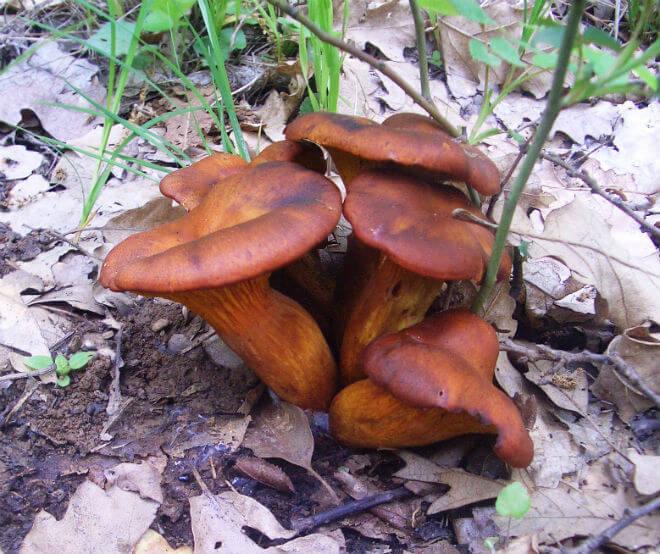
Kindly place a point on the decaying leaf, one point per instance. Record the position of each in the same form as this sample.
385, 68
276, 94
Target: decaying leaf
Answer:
264, 472
42, 80
115, 519
218, 521
282, 431
142, 478
465, 488
647, 472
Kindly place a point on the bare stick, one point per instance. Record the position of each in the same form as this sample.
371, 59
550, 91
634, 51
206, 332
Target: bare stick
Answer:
596, 189
550, 113
534, 352
630, 516
33, 373
420, 34
378, 65
349, 508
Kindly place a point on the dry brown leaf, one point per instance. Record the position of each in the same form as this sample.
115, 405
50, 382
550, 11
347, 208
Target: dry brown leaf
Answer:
143, 478
465, 488
264, 472
646, 475
226, 431
218, 520
281, 430
113, 520
567, 389
584, 120
388, 25
622, 265
569, 510
41, 79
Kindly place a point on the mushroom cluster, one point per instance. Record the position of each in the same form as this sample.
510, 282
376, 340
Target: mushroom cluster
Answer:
403, 378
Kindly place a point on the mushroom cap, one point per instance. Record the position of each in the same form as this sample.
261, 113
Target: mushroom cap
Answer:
411, 144
189, 185
448, 361
306, 154
365, 415
483, 174
261, 219
411, 221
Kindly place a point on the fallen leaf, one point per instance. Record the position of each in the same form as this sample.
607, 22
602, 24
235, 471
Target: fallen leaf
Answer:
218, 520
465, 488
26, 190
567, 389
42, 80
225, 432
647, 472
568, 511
282, 431
582, 120
17, 162
153, 543
113, 520
387, 25
264, 472
635, 146
143, 478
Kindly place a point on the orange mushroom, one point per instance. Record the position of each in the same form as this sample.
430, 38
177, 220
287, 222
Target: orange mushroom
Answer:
431, 382
217, 260
406, 244
409, 142
189, 185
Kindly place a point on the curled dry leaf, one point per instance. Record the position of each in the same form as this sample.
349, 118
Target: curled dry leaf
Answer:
143, 478
114, 518
264, 472
282, 431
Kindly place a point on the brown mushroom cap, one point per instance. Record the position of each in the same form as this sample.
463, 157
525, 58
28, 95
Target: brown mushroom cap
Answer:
483, 174
448, 361
189, 185
356, 143
412, 223
259, 220
305, 154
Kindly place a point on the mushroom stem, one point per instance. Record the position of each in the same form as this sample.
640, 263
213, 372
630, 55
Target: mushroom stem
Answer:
274, 335
386, 298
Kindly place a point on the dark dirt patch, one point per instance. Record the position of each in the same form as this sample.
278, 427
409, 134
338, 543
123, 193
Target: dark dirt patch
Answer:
14, 248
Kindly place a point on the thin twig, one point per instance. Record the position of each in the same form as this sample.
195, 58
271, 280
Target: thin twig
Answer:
349, 508
601, 538
378, 65
596, 189
535, 352
549, 115
420, 34
25, 375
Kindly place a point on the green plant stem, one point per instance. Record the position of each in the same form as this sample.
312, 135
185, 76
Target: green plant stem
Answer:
378, 65
420, 35
550, 114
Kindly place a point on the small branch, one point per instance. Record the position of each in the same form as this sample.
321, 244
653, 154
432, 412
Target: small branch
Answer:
349, 508
379, 65
630, 516
420, 35
535, 352
549, 115
596, 189
32, 373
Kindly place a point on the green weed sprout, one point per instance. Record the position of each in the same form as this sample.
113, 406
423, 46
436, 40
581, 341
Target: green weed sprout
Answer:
512, 502
63, 366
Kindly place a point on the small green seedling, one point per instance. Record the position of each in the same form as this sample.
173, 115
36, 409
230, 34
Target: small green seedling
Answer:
63, 366
513, 501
